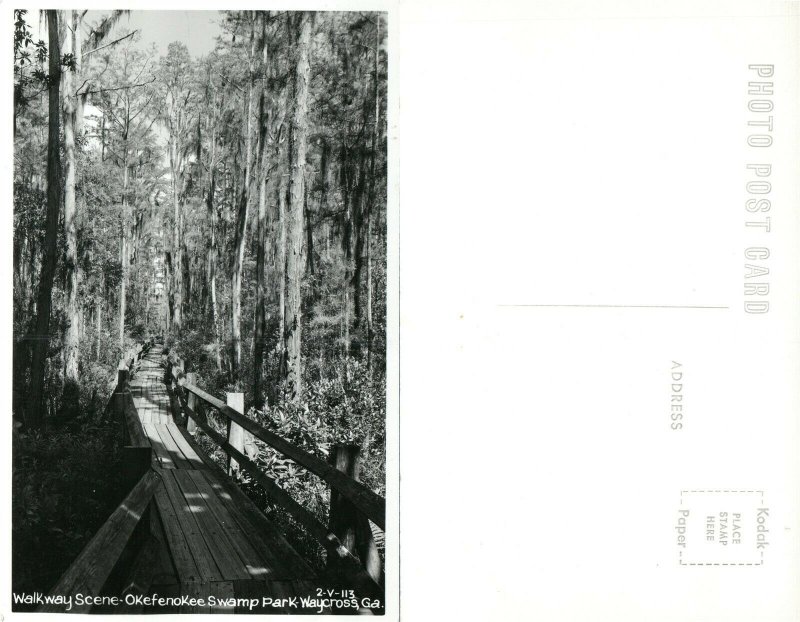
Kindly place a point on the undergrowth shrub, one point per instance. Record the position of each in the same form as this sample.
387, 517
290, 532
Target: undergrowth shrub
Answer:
66, 483
346, 405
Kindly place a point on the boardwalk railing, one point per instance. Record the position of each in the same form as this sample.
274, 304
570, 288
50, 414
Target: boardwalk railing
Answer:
129, 359
137, 452
92, 568
352, 503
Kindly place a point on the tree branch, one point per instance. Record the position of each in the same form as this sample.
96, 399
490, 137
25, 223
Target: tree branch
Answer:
81, 86
85, 54
120, 88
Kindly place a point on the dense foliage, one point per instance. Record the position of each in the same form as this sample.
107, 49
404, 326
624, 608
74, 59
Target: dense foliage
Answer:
65, 485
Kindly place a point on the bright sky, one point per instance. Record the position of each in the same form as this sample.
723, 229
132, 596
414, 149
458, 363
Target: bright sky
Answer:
197, 29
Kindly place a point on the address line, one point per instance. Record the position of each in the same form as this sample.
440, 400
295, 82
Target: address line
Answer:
620, 306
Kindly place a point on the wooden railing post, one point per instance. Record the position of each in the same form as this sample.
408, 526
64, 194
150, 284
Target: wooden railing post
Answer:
346, 521
122, 374
191, 402
174, 371
166, 361
235, 431
119, 397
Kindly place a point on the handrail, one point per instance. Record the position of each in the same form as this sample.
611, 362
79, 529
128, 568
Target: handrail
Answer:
136, 434
323, 535
366, 504
371, 504
125, 365
89, 572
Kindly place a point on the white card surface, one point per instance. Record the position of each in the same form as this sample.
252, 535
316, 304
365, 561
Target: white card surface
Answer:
599, 311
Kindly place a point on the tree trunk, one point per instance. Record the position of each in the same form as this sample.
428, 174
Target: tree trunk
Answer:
212, 284
359, 213
70, 107
259, 330
241, 221
212, 250
124, 254
148, 294
168, 295
351, 193
259, 333
41, 338
346, 317
370, 331
186, 290
371, 194
282, 186
346, 243
177, 255
103, 137
294, 259
323, 195
98, 310
309, 236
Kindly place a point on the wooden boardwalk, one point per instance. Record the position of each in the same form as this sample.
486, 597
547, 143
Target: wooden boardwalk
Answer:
209, 539
186, 539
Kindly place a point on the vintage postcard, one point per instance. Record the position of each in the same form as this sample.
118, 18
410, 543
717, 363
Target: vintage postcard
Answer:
552, 247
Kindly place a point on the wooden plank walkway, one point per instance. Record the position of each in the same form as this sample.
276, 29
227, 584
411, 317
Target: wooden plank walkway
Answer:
211, 539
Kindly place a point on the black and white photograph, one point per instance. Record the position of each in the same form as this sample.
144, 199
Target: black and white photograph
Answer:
200, 251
